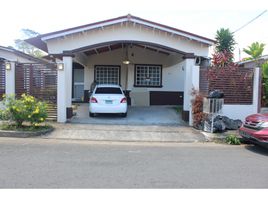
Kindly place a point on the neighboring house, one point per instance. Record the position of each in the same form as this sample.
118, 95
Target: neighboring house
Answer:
21, 73
12, 56
149, 60
254, 63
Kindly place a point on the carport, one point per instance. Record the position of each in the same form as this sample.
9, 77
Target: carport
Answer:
155, 64
141, 115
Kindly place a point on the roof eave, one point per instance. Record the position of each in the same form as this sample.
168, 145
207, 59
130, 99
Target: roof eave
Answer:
39, 41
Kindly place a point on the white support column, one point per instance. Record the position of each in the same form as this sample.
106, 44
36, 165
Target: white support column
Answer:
256, 89
68, 68
61, 96
10, 79
188, 85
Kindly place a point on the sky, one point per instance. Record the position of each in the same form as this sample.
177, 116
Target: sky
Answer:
200, 17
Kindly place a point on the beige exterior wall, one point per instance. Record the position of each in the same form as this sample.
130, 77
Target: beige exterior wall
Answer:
126, 32
172, 74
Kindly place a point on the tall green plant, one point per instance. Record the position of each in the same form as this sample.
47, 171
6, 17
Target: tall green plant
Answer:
255, 50
225, 41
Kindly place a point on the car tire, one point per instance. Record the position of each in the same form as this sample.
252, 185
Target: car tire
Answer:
91, 114
124, 114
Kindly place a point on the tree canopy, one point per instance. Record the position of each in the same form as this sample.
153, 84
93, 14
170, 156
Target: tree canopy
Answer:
255, 50
23, 46
224, 41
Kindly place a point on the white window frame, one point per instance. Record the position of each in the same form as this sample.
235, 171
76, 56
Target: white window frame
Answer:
106, 69
150, 75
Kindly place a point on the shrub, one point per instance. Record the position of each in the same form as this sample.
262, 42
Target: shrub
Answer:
232, 139
197, 109
25, 109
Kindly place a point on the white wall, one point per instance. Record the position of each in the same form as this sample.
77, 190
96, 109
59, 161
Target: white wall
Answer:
238, 111
172, 74
128, 33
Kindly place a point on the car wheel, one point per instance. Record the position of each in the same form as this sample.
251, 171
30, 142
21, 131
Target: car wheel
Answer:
124, 114
92, 114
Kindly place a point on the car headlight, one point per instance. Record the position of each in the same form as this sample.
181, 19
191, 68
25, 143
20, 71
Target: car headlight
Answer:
263, 125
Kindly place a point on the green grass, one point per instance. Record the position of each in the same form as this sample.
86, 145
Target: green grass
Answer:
178, 109
12, 127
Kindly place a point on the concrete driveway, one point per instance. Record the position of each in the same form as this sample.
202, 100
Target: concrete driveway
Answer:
153, 115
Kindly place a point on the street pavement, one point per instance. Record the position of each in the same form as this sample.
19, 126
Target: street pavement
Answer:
52, 163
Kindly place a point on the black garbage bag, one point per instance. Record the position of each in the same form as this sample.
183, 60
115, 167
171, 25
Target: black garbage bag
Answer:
216, 94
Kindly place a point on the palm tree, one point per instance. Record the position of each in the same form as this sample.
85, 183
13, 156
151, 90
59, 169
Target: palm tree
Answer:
225, 41
255, 50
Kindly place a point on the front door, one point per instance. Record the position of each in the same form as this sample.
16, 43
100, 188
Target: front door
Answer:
78, 92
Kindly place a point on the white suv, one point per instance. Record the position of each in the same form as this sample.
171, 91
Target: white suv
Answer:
107, 98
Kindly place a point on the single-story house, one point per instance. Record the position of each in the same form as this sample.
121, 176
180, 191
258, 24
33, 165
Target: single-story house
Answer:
155, 64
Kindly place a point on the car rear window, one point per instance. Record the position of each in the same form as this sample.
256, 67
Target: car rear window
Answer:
108, 90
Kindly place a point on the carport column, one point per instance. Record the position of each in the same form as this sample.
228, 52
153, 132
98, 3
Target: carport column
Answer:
188, 85
68, 68
10, 79
61, 94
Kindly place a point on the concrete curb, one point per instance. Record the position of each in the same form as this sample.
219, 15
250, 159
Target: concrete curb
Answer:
218, 137
24, 134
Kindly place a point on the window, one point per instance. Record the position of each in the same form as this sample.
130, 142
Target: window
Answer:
108, 90
148, 75
107, 74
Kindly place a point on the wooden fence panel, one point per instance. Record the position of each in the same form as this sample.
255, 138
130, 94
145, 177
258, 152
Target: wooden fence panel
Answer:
2, 79
40, 81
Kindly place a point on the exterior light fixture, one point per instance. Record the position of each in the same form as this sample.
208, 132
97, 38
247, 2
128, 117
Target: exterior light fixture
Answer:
60, 66
8, 65
126, 61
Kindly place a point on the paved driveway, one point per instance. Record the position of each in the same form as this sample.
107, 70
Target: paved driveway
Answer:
153, 115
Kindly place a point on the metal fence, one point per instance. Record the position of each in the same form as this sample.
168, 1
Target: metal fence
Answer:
40, 81
2, 79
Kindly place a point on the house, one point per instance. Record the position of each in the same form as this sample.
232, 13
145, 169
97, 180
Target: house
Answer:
22, 73
155, 64
7, 76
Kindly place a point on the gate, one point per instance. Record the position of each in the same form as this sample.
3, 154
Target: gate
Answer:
40, 81
2, 79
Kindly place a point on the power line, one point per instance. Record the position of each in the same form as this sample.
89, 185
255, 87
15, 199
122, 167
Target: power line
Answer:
250, 21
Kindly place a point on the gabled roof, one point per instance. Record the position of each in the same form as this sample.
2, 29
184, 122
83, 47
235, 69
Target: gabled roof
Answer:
39, 40
21, 54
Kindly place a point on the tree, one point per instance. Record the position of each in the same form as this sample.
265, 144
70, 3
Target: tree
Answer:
25, 47
255, 50
224, 41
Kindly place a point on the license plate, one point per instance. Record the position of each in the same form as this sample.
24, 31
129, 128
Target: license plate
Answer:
244, 134
108, 101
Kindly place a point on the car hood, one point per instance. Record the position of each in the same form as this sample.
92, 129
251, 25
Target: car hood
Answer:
258, 117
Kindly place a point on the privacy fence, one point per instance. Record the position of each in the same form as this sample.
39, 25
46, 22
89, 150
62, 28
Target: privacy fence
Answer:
40, 81
237, 86
2, 79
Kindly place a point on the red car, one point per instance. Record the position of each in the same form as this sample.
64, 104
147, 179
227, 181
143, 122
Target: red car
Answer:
255, 129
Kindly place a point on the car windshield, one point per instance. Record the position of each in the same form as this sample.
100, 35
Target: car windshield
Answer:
108, 90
